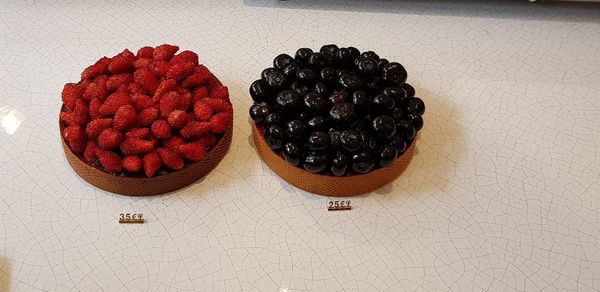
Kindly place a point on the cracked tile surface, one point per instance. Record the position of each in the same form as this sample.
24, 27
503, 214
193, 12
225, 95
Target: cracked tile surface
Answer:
502, 193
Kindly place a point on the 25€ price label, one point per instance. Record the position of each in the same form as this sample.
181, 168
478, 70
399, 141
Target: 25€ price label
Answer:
339, 205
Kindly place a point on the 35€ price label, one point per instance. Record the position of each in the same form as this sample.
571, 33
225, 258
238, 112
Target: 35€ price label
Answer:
128, 218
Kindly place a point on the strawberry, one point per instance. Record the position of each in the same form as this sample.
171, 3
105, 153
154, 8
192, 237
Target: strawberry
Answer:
202, 111
178, 119
220, 92
191, 151
159, 68
212, 81
152, 163
125, 118
164, 87
220, 122
161, 129
132, 163
134, 88
110, 139
75, 138
122, 63
145, 52
195, 129
184, 57
200, 76
142, 63
148, 115
71, 92
200, 93
164, 52
136, 146
141, 133
110, 160
145, 78
206, 141
168, 103
113, 102
96, 89
170, 158
99, 68
79, 115
141, 101
173, 142
180, 70
95, 127
94, 108
219, 105
116, 81
90, 152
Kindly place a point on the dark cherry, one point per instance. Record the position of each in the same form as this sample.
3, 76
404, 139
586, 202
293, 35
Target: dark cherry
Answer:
318, 141
410, 91
266, 72
259, 90
405, 130
342, 112
383, 102
295, 130
273, 119
321, 89
302, 55
399, 144
343, 57
292, 153
259, 111
339, 164
289, 100
385, 126
366, 66
362, 162
350, 140
276, 79
315, 161
380, 63
334, 139
300, 87
306, 75
340, 96
350, 81
416, 120
274, 136
375, 85
317, 123
315, 103
397, 93
369, 143
394, 73
290, 70
370, 54
317, 61
360, 99
328, 75
354, 52
282, 61
329, 51
398, 114
387, 155
416, 105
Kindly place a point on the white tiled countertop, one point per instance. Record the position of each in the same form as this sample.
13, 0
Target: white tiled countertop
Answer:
502, 193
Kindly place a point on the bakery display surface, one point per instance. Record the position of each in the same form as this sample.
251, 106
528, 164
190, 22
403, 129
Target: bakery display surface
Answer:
339, 117
501, 191
146, 123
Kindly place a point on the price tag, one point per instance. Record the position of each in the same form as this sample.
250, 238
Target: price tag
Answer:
339, 205
128, 218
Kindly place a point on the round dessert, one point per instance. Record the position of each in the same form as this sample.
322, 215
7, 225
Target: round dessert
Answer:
145, 123
336, 115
